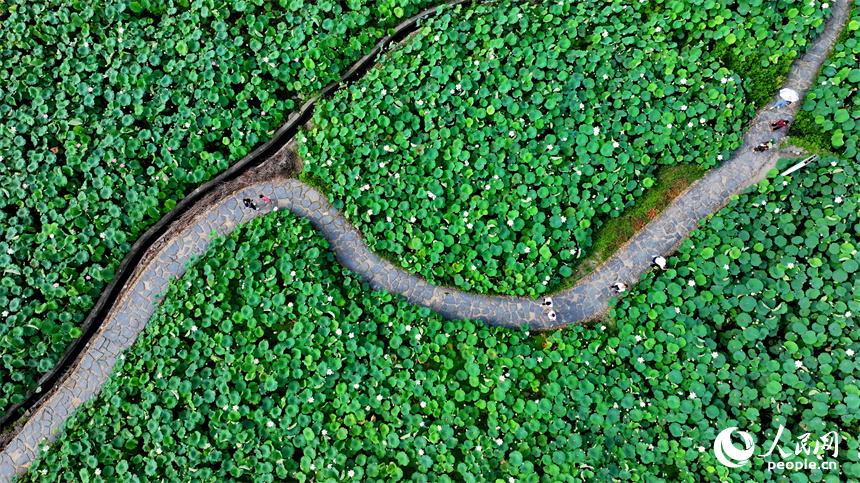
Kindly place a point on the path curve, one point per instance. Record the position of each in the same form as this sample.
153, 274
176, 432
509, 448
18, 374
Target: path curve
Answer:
586, 300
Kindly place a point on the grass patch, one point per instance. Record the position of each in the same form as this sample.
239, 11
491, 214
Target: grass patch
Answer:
614, 232
315, 181
760, 82
804, 133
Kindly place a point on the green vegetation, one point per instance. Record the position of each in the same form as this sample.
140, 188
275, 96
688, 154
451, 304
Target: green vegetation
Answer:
613, 233
269, 362
487, 151
111, 113
830, 118
765, 295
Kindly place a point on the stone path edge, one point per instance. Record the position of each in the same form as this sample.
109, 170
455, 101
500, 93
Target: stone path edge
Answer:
129, 263
586, 300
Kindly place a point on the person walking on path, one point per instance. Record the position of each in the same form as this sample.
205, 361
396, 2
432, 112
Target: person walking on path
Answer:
265, 199
619, 287
777, 125
249, 204
551, 315
781, 103
547, 302
660, 262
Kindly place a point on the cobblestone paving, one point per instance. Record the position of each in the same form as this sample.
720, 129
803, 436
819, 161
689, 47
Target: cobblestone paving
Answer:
587, 299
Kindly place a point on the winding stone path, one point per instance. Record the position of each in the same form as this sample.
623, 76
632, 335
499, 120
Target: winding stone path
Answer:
586, 300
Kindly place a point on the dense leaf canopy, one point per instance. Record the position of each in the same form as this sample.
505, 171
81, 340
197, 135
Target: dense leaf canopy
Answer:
109, 113
268, 361
486, 150
833, 101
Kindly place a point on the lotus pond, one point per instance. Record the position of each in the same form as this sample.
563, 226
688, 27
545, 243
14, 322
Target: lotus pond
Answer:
111, 114
268, 361
483, 153
830, 118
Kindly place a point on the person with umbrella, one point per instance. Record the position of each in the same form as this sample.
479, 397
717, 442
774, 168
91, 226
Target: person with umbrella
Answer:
786, 97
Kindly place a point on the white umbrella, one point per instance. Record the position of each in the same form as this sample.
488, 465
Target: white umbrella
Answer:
789, 95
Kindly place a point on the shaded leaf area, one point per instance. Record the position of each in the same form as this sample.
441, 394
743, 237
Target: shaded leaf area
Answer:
269, 362
487, 150
111, 113
830, 118
760, 308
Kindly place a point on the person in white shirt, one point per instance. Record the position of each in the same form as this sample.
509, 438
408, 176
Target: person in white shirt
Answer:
619, 286
660, 262
547, 302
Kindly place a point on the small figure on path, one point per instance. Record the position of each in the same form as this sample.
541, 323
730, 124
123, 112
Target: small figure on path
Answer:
265, 199
551, 315
660, 262
249, 204
547, 302
777, 125
786, 97
619, 287
763, 147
